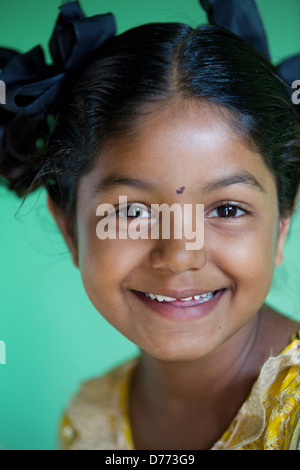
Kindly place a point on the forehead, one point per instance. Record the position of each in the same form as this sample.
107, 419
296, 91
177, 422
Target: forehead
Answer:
183, 144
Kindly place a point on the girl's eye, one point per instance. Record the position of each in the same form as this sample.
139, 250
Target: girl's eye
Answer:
134, 211
227, 211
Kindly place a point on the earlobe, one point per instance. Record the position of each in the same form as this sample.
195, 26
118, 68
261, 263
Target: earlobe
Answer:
284, 226
64, 224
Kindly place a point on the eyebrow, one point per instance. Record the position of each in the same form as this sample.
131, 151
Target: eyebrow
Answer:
245, 178
113, 181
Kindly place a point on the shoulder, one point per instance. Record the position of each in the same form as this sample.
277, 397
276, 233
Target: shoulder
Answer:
270, 417
280, 382
92, 419
282, 400
277, 330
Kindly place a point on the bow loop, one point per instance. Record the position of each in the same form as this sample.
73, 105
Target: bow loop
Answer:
19, 74
289, 68
23, 68
6, 55
75, 36
241, 18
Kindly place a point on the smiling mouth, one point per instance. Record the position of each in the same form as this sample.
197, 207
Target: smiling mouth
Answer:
199, 298
182, 308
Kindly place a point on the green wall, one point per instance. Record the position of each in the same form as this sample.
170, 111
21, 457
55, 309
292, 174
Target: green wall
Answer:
54, 337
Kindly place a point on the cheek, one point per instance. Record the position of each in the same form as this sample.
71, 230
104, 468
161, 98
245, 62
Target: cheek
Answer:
105, 265
248, 256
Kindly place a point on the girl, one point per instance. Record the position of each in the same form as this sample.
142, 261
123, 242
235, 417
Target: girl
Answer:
167, 114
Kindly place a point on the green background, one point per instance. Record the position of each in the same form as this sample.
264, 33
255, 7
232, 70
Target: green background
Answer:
54, 337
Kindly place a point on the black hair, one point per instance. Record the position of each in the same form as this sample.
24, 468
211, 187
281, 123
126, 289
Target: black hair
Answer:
148, 65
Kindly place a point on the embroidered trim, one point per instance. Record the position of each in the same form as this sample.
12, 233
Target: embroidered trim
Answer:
295, 441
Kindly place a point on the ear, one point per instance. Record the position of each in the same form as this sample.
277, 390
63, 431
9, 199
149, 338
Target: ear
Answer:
64, 224
283, 230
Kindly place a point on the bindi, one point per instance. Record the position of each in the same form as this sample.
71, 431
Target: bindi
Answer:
180, 190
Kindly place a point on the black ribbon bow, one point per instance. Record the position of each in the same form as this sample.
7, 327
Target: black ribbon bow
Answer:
33, 86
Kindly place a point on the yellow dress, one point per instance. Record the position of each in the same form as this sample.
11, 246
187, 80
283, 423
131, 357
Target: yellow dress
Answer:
269, 419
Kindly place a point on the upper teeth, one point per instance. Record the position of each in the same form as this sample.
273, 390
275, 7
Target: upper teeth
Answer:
160, 298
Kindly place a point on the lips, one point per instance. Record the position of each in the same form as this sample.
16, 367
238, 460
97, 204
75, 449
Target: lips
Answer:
179, 309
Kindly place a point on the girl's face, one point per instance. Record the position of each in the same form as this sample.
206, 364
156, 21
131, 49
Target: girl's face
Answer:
183, 155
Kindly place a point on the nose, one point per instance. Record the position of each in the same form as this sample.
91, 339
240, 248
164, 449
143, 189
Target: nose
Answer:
172, 255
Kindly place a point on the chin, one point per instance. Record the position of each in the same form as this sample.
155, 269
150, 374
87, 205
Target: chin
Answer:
179, 353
